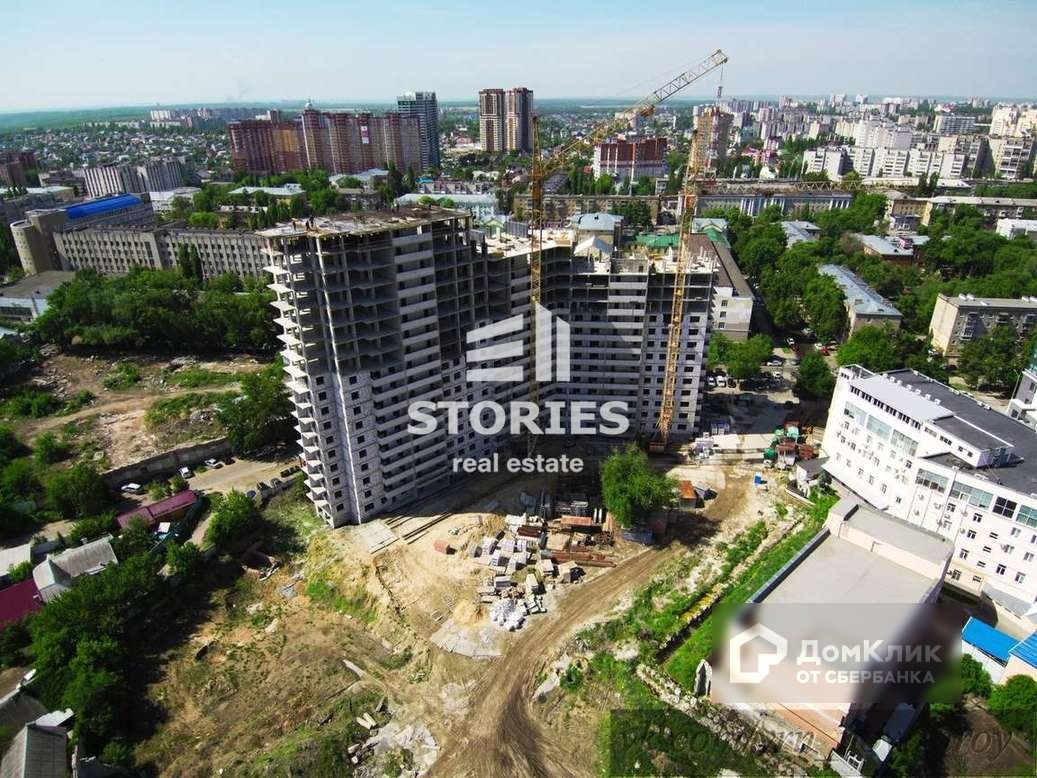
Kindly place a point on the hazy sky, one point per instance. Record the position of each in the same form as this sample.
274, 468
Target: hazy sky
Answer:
69, 53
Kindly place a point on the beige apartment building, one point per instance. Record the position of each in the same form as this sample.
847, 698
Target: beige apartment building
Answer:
960, 319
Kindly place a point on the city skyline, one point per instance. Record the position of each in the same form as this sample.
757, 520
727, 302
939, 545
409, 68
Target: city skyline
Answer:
621, 54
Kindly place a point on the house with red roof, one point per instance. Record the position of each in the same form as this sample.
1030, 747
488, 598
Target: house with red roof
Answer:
168, 509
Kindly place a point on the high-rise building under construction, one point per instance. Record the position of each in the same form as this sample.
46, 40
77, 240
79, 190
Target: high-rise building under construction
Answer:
380, 311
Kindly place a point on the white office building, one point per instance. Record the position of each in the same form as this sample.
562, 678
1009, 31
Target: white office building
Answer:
946, 462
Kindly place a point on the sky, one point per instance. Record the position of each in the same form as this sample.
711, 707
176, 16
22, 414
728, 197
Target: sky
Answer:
90, 53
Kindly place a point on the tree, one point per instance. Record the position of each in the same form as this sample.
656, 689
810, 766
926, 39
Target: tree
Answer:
743, 359
1014, 703
814, 380
177, 484
230, 518
95, 690
262, 414
10, 446
994, 360
974, 677
135, 539
823, 303
47, 449
876, 348
631, 489
77, 492
183, 559
908, 757
21, 571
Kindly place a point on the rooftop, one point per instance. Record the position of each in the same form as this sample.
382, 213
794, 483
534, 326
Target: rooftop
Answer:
102, 206
863, 299
883, 246
1003, 303
596, 221
288, 190
39, 285
987, 639
1020, 202
153, 513
926, 400
361, 222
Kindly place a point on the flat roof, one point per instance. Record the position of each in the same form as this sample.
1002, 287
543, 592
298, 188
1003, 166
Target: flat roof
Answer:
862, 298
1020, 475
838, 571
987, 639
1004, 303
1022, 202
882, 246
39, 285
916, 540
362, 222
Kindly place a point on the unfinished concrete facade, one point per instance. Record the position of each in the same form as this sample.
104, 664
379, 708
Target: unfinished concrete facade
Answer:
378, 310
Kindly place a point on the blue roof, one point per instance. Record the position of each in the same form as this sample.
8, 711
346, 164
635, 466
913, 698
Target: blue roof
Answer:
101, 207
990, 641
1026, 650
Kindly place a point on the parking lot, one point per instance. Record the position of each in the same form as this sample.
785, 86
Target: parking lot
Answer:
241, 474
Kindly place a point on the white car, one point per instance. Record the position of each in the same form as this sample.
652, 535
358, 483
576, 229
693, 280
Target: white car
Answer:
185, 472
212, 463
711, 382
722, 380
774, 363
132, 488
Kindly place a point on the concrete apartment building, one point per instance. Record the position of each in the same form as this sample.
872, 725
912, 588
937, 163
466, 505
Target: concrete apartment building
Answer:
945, 462
338, 142
506, 120
832, 161
1012, 158
960, 319
13, 166
376, 311
710, 141
628, 160
491, 120
954, 124
154, 175
864, 306
518, 119
1009, 228
424, 106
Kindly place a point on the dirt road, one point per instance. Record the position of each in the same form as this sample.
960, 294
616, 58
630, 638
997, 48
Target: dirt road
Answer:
499, 736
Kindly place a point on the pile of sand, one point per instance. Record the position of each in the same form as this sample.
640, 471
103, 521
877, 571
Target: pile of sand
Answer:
468, 612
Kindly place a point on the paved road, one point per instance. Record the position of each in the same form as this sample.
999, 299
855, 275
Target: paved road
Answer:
499, 736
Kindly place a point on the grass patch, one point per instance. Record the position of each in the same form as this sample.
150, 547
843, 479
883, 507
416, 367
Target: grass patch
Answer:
193, 377
355, 602
176, 408
79, 400
30, 403
701, 643
124, 376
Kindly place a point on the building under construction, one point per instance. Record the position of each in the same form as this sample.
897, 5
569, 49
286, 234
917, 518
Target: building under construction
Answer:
382, 310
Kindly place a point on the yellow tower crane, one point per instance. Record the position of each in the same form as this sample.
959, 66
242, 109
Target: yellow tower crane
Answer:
542, 168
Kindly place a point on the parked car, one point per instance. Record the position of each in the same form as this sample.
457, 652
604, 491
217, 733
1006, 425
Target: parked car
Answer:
791, 342
132, 488
775, 362
212, 463
722, 380
185, 472
711, 382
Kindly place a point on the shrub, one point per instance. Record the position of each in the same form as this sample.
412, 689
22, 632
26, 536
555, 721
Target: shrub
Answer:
47, 449
125, 375
230, 518
30, 403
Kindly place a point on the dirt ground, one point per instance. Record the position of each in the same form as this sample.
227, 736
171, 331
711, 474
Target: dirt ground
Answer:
114, 422
275, 652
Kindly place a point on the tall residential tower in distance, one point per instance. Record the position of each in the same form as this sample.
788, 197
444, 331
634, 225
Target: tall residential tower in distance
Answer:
506, 120
424, 106
709, 144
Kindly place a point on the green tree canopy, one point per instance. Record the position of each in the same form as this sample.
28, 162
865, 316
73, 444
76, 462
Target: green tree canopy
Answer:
631, 489
814, 379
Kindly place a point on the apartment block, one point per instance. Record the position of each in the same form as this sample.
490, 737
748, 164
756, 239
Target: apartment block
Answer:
864, 306
378, 311
710, 142
960, 319
1023, 405
943, 461
424, 106
491, 120
1012, 157
338, 142
518, 119
832, 161
953, 124
630, 159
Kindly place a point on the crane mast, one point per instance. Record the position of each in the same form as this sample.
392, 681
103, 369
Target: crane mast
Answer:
542, 168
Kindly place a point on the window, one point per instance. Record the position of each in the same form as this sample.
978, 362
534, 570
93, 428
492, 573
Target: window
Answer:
976, 579
955, 575
1000, 569
1020, 577
1016, 532
1027, 515
1004, 507
977, 517
971, 534
993, 536
931, 480
1028, 557
981, 563
964, 553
